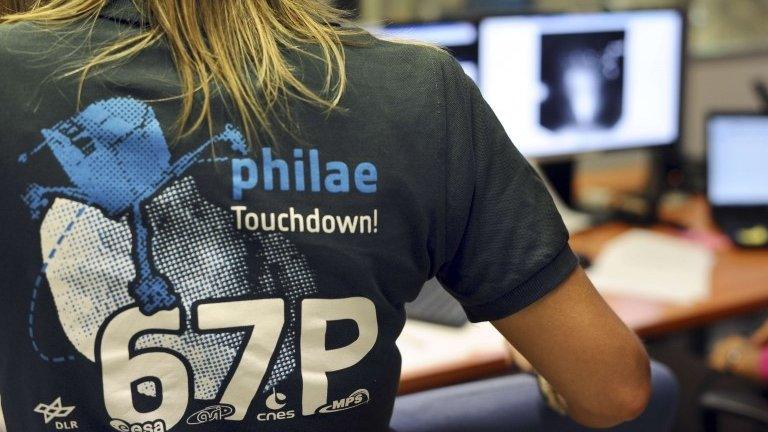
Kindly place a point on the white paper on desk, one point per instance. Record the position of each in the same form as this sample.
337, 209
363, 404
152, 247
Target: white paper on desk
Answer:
654, 266
425, 346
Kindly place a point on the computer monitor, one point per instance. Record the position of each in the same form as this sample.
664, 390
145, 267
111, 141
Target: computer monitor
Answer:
459, 37
737, 160
573, 83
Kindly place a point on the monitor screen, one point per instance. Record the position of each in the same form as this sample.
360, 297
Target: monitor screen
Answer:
738, 160
574, 83
460, 38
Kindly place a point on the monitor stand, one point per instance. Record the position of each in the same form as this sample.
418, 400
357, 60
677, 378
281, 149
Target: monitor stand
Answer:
761, 89
558, 176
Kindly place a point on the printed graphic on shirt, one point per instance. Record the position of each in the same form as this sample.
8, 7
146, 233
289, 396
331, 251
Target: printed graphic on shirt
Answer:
2, 417
275, 404
116, 158
164, 292
56, 410
305, 173
357, 398
211, 414
152, 426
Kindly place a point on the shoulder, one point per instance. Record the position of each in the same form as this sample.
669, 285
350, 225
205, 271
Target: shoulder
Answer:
419, 77
404, 60
403, 49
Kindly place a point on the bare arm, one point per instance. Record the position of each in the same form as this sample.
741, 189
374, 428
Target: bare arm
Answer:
575, 341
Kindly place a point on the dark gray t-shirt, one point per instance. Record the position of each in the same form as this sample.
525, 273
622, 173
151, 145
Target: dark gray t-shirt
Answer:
152, 282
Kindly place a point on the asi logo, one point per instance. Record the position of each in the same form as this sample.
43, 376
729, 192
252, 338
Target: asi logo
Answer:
357, 398
276, 402
211, 414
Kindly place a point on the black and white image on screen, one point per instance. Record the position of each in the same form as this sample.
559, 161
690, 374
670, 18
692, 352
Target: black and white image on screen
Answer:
583, 74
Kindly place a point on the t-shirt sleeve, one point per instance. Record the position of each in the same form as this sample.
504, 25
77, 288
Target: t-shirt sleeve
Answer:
506, 244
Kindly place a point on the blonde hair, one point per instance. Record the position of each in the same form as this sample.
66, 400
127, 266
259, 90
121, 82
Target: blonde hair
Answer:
9, 6
238, 46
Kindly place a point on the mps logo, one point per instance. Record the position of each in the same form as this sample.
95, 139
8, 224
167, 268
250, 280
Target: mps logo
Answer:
125, 225
356, 399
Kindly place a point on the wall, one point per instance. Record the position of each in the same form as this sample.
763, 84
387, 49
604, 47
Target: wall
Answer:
719, 84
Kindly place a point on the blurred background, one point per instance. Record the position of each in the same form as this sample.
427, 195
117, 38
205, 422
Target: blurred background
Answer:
649, 119
727, 42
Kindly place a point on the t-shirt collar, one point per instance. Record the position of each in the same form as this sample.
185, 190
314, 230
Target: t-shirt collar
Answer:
122, 10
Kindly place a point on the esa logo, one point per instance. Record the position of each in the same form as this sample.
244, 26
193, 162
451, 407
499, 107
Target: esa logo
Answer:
276, 402
122, 426
357, 398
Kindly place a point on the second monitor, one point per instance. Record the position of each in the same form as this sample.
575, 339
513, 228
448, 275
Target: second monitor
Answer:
576, 83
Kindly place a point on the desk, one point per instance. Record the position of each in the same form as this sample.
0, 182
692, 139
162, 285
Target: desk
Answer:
436, 356
739, 286
739, 280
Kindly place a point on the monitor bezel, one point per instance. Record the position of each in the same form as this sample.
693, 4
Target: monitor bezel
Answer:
708, 147
675, 144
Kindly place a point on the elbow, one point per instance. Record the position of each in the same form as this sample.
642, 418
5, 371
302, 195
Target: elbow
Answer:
619, 406
631, 402
624, 400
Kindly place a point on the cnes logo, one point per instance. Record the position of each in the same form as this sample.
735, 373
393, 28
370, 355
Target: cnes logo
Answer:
357, 398
275, 402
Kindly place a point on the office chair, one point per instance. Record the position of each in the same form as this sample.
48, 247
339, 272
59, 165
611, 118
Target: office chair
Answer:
743, 404
514, 403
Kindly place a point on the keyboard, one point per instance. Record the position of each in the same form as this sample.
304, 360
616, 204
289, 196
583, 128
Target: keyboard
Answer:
746, 226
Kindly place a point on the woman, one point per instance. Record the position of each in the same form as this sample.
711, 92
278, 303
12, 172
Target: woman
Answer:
214, 211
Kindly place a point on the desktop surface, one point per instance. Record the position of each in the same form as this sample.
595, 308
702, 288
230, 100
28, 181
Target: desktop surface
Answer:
739, 277
739, 286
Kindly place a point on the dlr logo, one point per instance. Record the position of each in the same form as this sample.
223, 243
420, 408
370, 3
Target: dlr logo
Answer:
264, 320
66, 425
